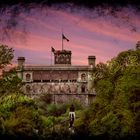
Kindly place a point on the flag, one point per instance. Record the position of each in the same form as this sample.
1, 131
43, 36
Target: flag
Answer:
53, 50
63, 37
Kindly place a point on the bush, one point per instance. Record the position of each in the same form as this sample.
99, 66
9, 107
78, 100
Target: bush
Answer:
19, 116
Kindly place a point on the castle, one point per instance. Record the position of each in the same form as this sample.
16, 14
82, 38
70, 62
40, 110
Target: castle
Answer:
62, 80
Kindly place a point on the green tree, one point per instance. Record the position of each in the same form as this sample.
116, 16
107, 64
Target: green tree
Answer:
19, 116
6, 55
115, 111
10, 83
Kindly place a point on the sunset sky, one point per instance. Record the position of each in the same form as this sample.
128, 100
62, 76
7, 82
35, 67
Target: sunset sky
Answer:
89, 31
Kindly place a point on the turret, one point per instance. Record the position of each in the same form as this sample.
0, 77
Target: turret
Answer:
21, 62
138, 45
62, 57
91, 61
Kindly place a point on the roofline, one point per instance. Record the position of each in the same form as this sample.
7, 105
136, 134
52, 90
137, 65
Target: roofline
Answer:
49, 67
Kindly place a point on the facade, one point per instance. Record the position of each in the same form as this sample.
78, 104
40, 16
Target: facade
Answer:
62, 80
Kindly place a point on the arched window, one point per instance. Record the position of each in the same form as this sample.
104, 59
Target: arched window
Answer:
83, 76
28, 77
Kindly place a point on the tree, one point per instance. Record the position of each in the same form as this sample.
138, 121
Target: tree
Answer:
20, 117
115, 111
9, 81
6, 55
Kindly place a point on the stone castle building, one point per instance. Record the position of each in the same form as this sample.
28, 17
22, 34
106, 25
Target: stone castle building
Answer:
62, 80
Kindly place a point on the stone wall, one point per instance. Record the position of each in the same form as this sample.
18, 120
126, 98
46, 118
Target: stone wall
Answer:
55, 88
59, 92
84, 99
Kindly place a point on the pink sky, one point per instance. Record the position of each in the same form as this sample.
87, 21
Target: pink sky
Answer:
89, 34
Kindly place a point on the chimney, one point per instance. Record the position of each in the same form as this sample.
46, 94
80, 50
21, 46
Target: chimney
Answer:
21, 61
91, 61
138, 45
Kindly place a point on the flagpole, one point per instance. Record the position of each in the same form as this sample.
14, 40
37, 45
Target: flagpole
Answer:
62, 41
62, 38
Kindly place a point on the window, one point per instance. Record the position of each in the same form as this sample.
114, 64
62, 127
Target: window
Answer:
37, 81
83, 77
83, 89
28, 77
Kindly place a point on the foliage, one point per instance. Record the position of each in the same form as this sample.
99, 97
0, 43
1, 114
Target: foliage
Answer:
6, 55
115, 111
46, 98
19, 116
49, 108
10, 83
113, 115
55, 110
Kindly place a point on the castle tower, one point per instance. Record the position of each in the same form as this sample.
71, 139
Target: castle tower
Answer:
21, 63
62, 57
91, 61
138, 45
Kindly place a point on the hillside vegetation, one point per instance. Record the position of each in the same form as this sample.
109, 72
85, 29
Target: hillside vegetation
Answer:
116, 111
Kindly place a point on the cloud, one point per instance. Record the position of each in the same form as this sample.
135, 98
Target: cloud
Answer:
102, 36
